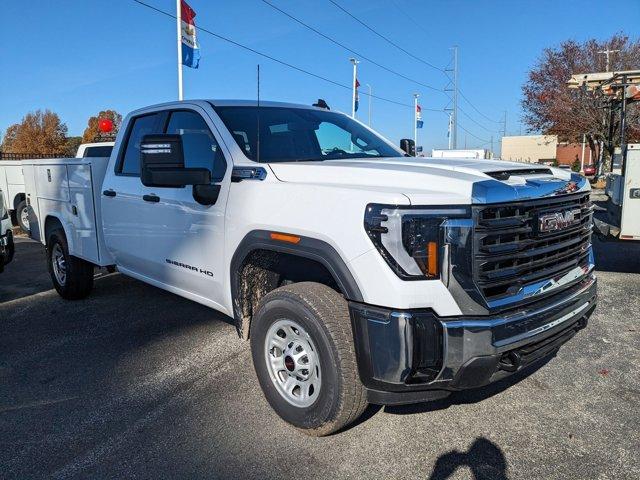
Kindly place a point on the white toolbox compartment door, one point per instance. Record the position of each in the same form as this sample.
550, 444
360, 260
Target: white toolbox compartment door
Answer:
82, 220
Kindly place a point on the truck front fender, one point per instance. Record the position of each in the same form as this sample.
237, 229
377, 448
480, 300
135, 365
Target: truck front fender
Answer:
306, 248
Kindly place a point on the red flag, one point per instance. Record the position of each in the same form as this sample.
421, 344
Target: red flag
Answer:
357, 83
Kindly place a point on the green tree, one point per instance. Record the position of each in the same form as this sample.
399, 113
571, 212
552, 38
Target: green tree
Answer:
72, 146
575, 166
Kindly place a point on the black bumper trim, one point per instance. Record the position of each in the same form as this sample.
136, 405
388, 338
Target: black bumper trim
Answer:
411, 356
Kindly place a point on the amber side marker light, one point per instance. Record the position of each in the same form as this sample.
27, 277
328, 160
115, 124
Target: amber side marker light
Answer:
432, 262
284, 237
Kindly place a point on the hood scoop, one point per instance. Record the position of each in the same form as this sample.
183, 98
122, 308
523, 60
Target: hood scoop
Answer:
506, 174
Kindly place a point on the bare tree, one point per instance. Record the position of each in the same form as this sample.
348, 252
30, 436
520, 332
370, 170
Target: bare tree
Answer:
92, 132
552, 108
38, 132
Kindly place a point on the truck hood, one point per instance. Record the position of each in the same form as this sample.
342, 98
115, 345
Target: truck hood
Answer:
427, 181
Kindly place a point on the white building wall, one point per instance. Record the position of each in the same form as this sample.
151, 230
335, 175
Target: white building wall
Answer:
529, 148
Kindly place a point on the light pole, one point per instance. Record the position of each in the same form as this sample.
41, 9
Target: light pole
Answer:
370, 90
354, 93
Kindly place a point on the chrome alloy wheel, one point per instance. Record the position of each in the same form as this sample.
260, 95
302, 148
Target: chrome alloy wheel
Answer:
293, 363
59, 264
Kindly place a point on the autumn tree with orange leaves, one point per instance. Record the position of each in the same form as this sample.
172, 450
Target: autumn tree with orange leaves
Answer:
39, 132
552, 108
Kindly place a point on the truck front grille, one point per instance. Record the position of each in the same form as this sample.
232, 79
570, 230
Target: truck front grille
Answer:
510, 251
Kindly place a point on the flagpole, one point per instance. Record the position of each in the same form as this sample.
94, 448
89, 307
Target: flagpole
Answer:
353, 93
415, 122
179, 35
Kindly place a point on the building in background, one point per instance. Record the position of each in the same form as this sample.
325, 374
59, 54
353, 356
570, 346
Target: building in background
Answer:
544, 149
529, 148
467, 153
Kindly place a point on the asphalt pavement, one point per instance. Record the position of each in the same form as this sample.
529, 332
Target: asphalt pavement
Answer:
135, 382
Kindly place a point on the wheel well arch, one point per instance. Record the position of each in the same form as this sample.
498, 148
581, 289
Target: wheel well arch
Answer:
261, 264
50, 224
20, 197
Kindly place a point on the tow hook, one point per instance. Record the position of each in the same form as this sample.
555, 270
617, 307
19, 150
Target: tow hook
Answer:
510, 361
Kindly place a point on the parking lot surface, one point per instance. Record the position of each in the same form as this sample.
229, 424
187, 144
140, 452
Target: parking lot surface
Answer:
134, 382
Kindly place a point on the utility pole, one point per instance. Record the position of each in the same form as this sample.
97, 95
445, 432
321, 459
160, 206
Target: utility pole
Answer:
355, 92
491, 146
504, 124
449, 130
607, 53
370, 90
453, 138
415, 121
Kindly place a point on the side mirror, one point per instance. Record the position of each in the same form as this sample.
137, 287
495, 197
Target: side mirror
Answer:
162, 163
408, 146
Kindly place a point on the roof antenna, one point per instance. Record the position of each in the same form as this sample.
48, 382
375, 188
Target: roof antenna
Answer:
258, 136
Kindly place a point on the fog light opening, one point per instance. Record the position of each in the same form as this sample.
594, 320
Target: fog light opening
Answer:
510, 361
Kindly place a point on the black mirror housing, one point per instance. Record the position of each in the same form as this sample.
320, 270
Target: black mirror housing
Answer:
162, 163
408, 146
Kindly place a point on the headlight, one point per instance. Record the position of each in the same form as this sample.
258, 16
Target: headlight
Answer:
410, 239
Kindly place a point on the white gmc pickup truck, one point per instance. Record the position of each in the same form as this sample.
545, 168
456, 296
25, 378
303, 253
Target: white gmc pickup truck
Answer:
357, 273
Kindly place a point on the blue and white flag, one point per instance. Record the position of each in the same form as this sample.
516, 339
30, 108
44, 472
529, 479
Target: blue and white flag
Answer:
419, 122
190, 48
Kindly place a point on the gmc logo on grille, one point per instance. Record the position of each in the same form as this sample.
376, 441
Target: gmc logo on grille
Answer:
551, 222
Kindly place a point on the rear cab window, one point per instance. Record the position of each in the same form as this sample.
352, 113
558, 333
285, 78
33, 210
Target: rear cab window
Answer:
98, 151
140, 126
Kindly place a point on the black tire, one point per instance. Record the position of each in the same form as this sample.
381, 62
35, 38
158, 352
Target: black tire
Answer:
22, 206
324, 315
78, 281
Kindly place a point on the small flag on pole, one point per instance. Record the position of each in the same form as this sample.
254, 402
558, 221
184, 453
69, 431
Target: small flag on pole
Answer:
419, 122
190, 48
357, 101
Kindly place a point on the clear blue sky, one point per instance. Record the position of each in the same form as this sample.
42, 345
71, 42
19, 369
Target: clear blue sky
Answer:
78, 57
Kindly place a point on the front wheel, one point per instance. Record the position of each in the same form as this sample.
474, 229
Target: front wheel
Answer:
72, 277
303, 354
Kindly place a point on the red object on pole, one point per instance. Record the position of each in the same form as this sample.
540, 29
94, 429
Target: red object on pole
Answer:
105, 125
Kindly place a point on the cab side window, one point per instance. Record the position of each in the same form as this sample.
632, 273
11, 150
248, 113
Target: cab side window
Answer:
144, 125
199, 145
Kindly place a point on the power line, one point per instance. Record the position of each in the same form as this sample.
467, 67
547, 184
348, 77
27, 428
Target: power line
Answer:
445, 69
274, 59
484, 142
478, 111
474, 121
386, 39
349, 49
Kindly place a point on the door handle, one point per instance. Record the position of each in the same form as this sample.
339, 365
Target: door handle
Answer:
109, 193
151, 198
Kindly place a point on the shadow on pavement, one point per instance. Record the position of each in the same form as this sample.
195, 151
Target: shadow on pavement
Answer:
484, 458
27, 273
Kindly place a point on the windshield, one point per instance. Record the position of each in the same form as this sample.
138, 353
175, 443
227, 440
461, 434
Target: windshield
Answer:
299, 134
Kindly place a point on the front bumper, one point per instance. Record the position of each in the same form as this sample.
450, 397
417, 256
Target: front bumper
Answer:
413, 355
